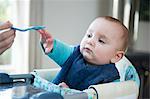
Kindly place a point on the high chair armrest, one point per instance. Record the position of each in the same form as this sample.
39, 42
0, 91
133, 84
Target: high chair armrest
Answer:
47, 74
117, 90
114, 90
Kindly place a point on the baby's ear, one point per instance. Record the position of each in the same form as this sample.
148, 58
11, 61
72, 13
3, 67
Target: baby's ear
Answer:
118, 56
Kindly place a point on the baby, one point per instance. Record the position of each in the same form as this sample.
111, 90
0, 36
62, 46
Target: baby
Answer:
93, 61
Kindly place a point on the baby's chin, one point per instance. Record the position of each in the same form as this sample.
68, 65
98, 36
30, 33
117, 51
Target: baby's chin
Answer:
88, 59
92, 61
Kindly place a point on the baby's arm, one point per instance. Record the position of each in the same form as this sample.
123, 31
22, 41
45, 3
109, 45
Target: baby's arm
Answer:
61, 51
56, 50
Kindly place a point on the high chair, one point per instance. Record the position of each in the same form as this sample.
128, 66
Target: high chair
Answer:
124, 89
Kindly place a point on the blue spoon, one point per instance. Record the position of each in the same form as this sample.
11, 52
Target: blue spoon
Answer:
29, 28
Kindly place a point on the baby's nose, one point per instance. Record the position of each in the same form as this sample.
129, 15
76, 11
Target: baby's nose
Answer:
91, 41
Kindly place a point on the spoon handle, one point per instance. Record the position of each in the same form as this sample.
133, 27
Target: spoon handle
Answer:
29, 28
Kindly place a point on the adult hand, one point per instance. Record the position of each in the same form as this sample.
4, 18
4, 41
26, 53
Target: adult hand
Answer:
46, 40
6, 37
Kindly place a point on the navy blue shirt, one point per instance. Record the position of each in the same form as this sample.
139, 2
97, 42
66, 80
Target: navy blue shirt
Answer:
78, 74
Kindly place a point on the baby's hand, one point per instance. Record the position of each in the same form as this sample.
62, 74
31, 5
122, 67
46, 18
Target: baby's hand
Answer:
63, 84
46, 40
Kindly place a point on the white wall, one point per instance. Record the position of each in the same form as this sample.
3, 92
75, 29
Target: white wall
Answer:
68, 20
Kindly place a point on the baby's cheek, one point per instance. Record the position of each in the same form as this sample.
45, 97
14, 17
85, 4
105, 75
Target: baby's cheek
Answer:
81, 49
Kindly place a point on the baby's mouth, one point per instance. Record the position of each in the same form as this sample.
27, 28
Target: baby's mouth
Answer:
87, 49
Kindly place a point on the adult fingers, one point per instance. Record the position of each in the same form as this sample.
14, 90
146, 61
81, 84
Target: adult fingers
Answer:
5, 25
7, 34
7, 41
5, 48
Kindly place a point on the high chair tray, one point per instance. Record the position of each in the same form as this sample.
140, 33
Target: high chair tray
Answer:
20, 89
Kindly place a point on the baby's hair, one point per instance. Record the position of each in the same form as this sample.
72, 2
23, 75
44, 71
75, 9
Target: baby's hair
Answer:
125, 37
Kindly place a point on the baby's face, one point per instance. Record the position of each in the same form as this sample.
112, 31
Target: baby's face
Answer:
101, 42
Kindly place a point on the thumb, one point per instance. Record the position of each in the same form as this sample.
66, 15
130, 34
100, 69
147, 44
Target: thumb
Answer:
5, 25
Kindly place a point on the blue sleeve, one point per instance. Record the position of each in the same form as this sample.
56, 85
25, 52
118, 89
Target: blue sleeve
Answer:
61, 51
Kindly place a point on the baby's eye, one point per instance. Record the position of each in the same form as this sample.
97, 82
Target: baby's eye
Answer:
89, 35
101, 41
